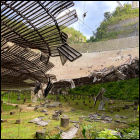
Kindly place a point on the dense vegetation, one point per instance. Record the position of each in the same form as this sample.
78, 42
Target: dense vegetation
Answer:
113, 18
122, 90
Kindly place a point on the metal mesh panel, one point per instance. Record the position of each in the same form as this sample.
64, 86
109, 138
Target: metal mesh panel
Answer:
28, 26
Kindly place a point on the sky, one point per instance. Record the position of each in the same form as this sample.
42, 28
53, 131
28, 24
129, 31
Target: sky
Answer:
95, 14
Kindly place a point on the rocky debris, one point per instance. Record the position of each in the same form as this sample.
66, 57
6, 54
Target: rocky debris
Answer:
101, 105
29, 105
70, 134
42, 123
39, 121
120, 121
125, 71
81, 119
111, 102
74, 121
36, 108
17, 122
73, 110
12, 113
44, 110
16, 106
97, 117
123, 117
65, 116
126, 107
94, 117
59, 112
40, 135
2, 121
117, 116
64, 122
117, 121
35, 120
116, 133
54, 104
115, 108
108, 119
55, 116
46, 114
135, 108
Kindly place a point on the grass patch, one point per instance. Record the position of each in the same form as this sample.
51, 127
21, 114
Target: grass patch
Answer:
121, 90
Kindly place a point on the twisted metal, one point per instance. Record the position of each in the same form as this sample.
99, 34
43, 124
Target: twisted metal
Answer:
32, 32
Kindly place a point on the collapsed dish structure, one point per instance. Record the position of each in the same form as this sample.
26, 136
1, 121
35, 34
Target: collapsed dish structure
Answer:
31, 33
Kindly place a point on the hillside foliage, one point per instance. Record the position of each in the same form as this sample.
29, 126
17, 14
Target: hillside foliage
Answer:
120, 14
74, 36
120, 90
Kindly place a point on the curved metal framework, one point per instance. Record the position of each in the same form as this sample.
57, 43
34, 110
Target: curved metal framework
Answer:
32, 32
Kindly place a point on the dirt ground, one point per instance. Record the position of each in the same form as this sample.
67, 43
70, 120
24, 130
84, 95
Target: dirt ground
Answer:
91, 61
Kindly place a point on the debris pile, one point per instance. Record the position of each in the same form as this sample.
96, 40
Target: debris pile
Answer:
98, 117
122, 72
128, 70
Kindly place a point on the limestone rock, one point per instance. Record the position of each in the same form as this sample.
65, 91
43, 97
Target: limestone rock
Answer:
64, 122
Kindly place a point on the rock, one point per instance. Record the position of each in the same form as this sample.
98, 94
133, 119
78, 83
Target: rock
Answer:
123, 117
17, 122
55, 117
64, 122
124, 122
39, 121
102, 117
29, 105
70, 134
107, 118
116, 133
65, 116
40, 135
35, 120
36, 108
111, 102
60, 105
117, 116
94, 117
16, 106
126, 107
44, 110
73, 110
125, 71
76, 103
101, 105
80, 119
111, 111
117, 121
41, 117
74, 121
135, 108
46, 114
42, 123
59, 112
2, 121
54, 104
12, 113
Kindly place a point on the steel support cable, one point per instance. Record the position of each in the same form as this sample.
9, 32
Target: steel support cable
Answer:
86, 25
